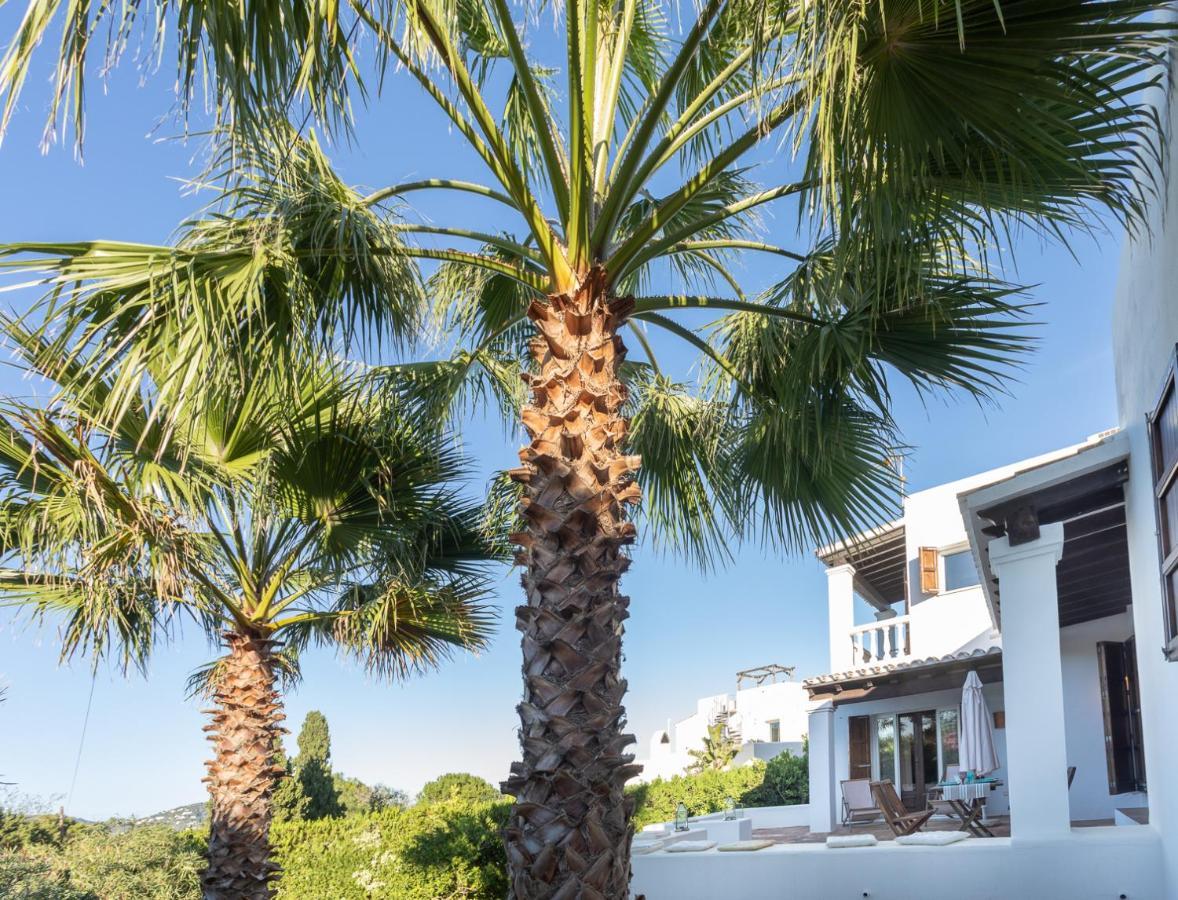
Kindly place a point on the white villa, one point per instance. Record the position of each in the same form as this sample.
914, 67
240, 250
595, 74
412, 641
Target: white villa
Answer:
764, 716
889, 706
1056, 581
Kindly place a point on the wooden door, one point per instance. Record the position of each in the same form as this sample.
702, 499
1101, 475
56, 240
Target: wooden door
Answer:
1122, 716
859, 728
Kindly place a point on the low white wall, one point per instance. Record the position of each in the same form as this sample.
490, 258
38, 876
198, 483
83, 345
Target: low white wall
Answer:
762, 816
1089, 864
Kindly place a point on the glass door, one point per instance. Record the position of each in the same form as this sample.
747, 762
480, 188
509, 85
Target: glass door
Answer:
917, 757
912, 749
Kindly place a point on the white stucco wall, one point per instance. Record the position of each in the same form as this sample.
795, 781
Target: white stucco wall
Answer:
1145, 329
1089, 864
756, 707
1089, 797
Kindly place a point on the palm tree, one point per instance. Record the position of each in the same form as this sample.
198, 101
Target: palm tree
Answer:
283, 510
718, 751
925, 131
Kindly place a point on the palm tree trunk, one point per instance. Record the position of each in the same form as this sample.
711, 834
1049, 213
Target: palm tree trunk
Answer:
569, 833
242, 776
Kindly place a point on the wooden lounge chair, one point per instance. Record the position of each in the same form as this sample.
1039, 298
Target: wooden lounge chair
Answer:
898, 818
858, 805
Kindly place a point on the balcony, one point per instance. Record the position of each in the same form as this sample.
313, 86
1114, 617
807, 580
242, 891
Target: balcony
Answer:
877, 643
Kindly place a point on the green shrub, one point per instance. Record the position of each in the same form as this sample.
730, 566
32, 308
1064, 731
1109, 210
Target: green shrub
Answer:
783, 781
426, 852
788, 777
152, 862
460, 787
25, 878
701, 793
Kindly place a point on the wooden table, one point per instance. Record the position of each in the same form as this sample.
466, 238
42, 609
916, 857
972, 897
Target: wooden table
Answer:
967, 800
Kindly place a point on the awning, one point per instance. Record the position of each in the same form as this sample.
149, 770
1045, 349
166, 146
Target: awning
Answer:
902, 678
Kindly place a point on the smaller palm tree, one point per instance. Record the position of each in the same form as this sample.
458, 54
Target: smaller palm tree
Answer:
275, 511
718, 751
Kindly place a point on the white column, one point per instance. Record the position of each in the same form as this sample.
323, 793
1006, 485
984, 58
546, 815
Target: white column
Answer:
1036, 747
840, 604
823, 785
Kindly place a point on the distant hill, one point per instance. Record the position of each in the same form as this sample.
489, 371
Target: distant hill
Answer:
191, 816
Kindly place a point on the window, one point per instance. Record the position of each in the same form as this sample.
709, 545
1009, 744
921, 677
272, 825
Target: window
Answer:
775, 730
1163, 445
960, 571
947, 738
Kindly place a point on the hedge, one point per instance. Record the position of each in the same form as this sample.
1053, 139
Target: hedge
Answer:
447, 848
783, 781
426, 852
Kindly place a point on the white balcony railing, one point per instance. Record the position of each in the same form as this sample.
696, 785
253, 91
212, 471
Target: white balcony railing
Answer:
881, 642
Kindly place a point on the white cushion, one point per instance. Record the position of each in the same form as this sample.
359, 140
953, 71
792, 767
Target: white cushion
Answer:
690, 846
932, 838
744, 846
851, 840
641, 848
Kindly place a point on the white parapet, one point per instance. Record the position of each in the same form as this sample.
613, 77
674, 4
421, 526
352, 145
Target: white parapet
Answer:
1086, 864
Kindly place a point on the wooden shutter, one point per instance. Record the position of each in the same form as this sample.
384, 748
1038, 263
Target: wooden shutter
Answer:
930, 581
1163, 445
860, 743
1122, 716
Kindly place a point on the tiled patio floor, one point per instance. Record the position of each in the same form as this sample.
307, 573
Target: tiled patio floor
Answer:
1000, 825
802, 835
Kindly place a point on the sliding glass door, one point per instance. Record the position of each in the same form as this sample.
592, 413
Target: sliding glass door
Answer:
912, 749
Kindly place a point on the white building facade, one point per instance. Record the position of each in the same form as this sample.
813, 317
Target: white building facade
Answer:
1056, 580
764, 720
888, 709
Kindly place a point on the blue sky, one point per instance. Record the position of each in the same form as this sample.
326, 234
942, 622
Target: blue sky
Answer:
688, 634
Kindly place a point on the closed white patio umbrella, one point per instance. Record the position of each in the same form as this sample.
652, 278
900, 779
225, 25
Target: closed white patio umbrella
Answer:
977, 751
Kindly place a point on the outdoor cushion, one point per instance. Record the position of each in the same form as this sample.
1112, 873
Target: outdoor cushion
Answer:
690, 846
739, 846
851, 840
932, 838
641, 848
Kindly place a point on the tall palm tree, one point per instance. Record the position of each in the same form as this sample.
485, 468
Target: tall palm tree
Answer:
924, 131
283, 510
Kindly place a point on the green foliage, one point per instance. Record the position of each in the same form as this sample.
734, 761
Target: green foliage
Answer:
311, 790
289, 803
358, 798
783, 781
702, 793
450, 849
314, 739
718, 751
17, 830
787, 778
422, 853
22, 878
458, 787
312, 769
149, 863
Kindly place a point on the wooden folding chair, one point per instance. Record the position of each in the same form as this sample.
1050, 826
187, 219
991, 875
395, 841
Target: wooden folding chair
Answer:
898, 818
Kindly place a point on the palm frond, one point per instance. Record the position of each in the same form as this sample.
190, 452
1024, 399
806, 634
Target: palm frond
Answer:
248, 57
398, 630
1027, 109
684, 440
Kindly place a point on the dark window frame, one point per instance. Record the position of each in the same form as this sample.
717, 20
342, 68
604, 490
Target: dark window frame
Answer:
1165, 486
